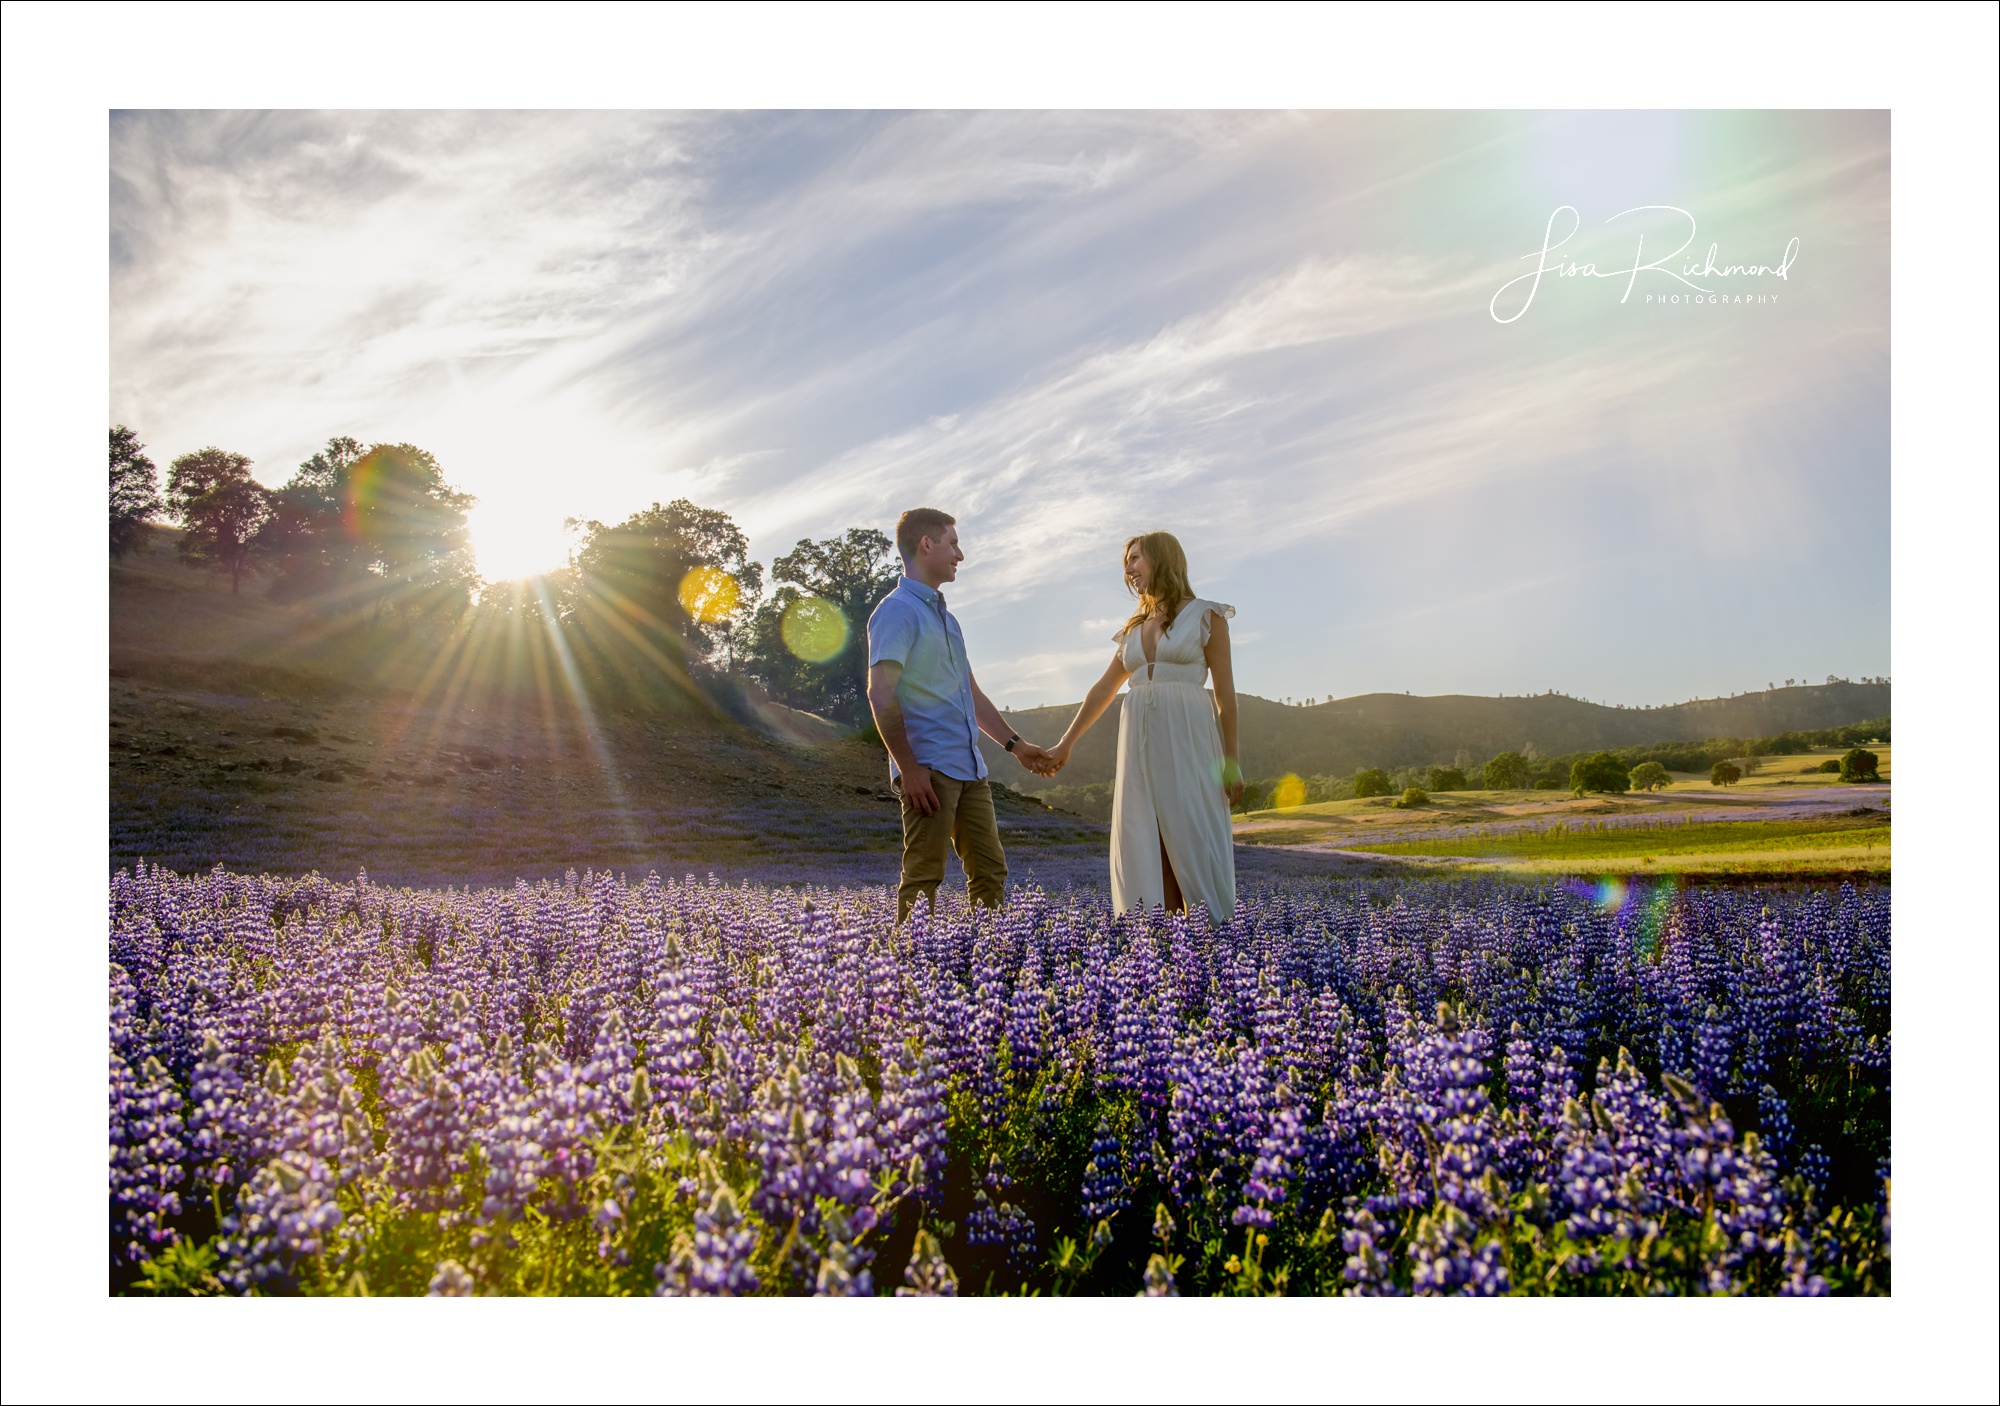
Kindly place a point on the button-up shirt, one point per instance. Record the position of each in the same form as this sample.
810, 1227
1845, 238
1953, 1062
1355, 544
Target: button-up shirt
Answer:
911, 627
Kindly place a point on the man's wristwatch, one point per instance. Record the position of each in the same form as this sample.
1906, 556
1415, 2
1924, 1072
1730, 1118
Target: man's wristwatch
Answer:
1012, 740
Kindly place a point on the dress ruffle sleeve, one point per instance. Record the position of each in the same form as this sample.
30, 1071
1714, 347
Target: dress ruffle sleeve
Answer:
1214, 607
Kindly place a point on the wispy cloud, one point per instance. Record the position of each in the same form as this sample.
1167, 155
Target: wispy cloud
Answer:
1266, 332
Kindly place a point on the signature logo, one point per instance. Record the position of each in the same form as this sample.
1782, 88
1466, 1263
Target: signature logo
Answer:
1698, 274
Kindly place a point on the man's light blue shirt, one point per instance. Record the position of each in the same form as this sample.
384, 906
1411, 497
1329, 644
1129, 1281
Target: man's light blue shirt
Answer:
911, 627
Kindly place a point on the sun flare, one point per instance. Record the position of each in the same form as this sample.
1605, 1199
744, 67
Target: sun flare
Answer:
512, 544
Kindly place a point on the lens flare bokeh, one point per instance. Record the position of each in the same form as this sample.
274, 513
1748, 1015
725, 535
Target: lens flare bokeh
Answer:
709, 596
1290, 791
814, 629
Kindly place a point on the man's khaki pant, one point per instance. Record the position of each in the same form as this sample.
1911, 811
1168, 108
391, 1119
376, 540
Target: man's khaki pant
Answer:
964, 819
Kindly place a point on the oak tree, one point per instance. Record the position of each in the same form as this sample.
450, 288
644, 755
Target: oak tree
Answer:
220, 507
135, 491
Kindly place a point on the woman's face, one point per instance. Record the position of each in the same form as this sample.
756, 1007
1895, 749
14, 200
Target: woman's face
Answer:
1138, 571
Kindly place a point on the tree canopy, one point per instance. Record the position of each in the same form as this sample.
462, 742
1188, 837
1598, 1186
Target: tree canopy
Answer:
378, 524
1509, 771
680, 574
306, 539
220, 507
1651, 776
822, 667
1860, 765
135, 490
1600, 771
1372, 781
1724, 774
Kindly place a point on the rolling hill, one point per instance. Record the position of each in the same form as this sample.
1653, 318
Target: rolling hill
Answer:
282, 736
277, 736
1397, 729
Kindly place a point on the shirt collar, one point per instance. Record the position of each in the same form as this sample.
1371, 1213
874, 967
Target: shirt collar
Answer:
928, 595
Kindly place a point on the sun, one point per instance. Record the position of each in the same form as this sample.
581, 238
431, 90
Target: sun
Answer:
513, 543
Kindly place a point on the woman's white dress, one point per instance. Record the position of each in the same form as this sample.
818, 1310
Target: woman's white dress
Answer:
1169, 784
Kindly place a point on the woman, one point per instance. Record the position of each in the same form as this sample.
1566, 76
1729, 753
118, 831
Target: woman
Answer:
1178, 773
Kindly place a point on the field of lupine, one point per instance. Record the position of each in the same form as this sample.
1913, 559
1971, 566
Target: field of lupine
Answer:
1359, 1087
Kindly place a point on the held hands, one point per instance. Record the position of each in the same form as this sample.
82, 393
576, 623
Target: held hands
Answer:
1041, 761
1035, 759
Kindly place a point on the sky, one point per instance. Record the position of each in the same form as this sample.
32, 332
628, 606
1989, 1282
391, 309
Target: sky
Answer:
1311, 345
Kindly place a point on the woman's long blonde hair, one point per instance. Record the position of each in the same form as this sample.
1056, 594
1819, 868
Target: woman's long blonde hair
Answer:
1170, 590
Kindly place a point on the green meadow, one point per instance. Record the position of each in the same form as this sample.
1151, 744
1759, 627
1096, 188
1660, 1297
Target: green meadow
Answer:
1593, 842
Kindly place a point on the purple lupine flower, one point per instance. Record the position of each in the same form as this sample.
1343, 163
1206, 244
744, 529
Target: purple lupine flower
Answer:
609, 1070
791, 1133
1444, 1259
1524, 1075
452, 1280
287, 1213
851, 1154
1736, 1184
996, 1221
911, 1123
1558, 1087
1774, 1125
428, 1138
508, 1140
983, 1225
843, 1271
1816, 1167
723, 1243
146, 1154
1104, 1178
928, 1276
1800, 1281
1712, 1053
220, 1131
566, 1113
673, 1048
1159, 1280
285, 1216
1280, 1153
1367, 1272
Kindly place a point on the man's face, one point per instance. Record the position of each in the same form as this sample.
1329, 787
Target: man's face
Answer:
941, 556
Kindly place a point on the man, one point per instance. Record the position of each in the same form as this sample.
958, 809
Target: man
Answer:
930, 710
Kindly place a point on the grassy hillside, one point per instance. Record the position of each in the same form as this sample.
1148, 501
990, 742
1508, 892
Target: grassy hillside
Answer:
272, 736
1392, 730
267, 735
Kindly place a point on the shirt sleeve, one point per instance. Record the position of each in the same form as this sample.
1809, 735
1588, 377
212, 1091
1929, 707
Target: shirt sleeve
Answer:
892, 634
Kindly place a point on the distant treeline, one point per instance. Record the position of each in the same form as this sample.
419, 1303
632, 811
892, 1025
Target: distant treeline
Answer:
1508, 771
659, 609
1701, 756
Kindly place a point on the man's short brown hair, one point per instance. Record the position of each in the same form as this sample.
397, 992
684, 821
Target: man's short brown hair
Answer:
918, 523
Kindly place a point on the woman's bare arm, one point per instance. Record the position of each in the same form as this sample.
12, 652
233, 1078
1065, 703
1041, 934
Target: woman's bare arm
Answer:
1222, 678
1093, 706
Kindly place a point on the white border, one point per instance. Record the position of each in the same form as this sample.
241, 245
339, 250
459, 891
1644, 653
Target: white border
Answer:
65, 66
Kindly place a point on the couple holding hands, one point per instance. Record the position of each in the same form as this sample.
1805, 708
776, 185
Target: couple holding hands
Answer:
1178, 772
